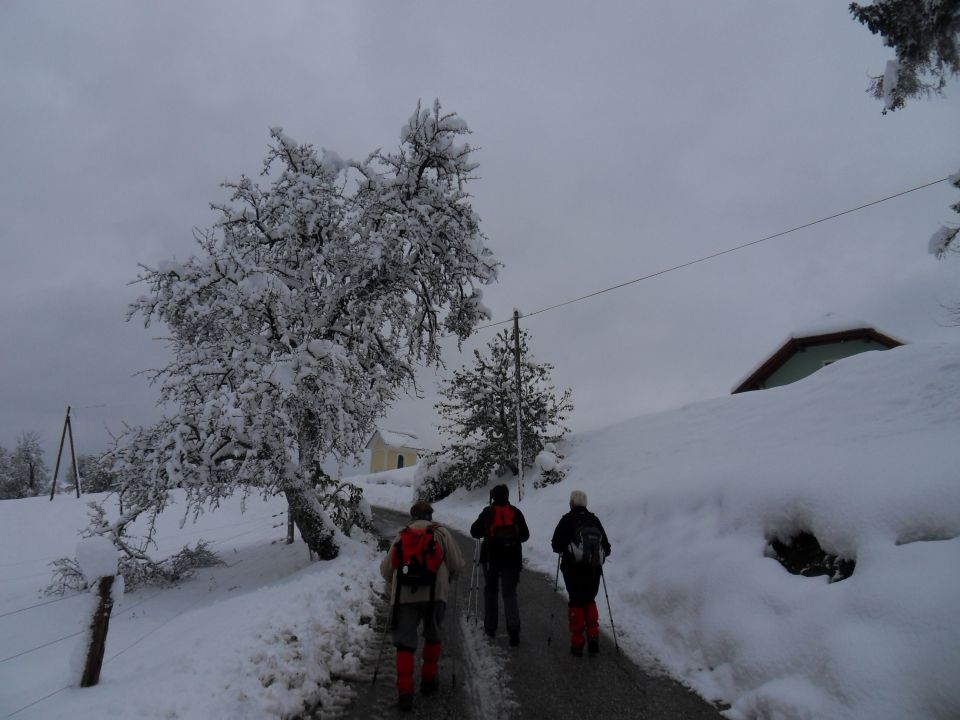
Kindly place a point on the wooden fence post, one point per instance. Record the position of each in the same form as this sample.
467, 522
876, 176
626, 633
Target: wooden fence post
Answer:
99, 624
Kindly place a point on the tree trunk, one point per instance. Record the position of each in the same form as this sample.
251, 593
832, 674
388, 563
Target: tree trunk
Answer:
315, 527
307, 516
290, 537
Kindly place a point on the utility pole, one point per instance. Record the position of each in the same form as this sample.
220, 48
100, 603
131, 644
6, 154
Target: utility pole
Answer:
516, 355
67, 429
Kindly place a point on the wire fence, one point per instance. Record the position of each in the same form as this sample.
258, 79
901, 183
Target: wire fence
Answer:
39, 604
258, 523
262, 523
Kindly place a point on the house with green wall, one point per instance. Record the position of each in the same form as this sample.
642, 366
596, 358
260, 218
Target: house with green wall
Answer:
803, 353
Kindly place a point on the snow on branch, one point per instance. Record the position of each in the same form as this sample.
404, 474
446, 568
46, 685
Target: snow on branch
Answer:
304, 314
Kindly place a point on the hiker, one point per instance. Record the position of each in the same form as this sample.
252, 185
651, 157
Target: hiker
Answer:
502, 528
421, 564
583, 546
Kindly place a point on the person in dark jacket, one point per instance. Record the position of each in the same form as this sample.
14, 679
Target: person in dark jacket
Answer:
582, 580
502, 528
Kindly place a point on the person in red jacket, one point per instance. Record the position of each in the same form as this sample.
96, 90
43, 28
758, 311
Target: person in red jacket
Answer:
577, 530
502, 528
427, 548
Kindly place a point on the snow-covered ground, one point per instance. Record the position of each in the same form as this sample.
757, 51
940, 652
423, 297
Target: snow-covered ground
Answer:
863, 454
252, 639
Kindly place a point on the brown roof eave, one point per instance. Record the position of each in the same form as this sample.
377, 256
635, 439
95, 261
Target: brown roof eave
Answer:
793, 345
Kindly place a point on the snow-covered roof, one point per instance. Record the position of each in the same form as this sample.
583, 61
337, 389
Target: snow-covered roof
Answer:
831, 324
398, 438
829, 329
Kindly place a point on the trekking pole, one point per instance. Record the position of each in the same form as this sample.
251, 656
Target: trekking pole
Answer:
553, 612
475, 584
389, 623
473, 570
383, 641
612, 627
456, 587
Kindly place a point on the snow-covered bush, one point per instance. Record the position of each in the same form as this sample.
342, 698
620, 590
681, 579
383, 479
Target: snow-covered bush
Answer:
548, 467
69, 577
439, 474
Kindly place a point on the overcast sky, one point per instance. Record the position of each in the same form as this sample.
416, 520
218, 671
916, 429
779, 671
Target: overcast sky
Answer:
616, 139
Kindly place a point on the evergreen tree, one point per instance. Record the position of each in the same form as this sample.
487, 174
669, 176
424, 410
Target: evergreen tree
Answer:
304, 314
925, 35
480, 411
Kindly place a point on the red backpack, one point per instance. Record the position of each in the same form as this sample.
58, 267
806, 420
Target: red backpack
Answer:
417, 556
502, 526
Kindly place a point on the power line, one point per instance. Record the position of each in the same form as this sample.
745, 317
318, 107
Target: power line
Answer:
718, 254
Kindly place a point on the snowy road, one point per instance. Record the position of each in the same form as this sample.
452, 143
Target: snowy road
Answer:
535, 680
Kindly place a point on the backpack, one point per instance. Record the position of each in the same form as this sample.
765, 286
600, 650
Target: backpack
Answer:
417, 556
502, 527
587, 544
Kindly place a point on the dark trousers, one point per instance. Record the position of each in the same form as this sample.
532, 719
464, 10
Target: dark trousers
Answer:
407, 620
501, 579
582, 583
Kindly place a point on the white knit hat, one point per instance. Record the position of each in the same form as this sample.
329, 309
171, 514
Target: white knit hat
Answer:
578, 498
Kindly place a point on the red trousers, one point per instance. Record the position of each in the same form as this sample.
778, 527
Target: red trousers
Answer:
406, 663
581, 618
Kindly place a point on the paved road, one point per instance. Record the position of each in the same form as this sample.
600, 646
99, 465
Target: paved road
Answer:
483, 678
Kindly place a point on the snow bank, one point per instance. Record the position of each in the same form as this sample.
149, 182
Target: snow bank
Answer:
864, 455
391, 489
261, 636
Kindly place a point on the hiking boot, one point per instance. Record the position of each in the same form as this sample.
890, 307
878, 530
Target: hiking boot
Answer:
405, 702
428, 686
593, 646
515, 637
576, 650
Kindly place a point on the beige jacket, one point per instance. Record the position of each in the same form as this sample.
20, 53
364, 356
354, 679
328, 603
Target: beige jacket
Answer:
452, 564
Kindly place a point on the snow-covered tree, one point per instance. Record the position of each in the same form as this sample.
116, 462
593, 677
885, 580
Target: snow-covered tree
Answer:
306, 311
6, 481
925, 35
95, 474
23, 472
480, 417
944, 239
